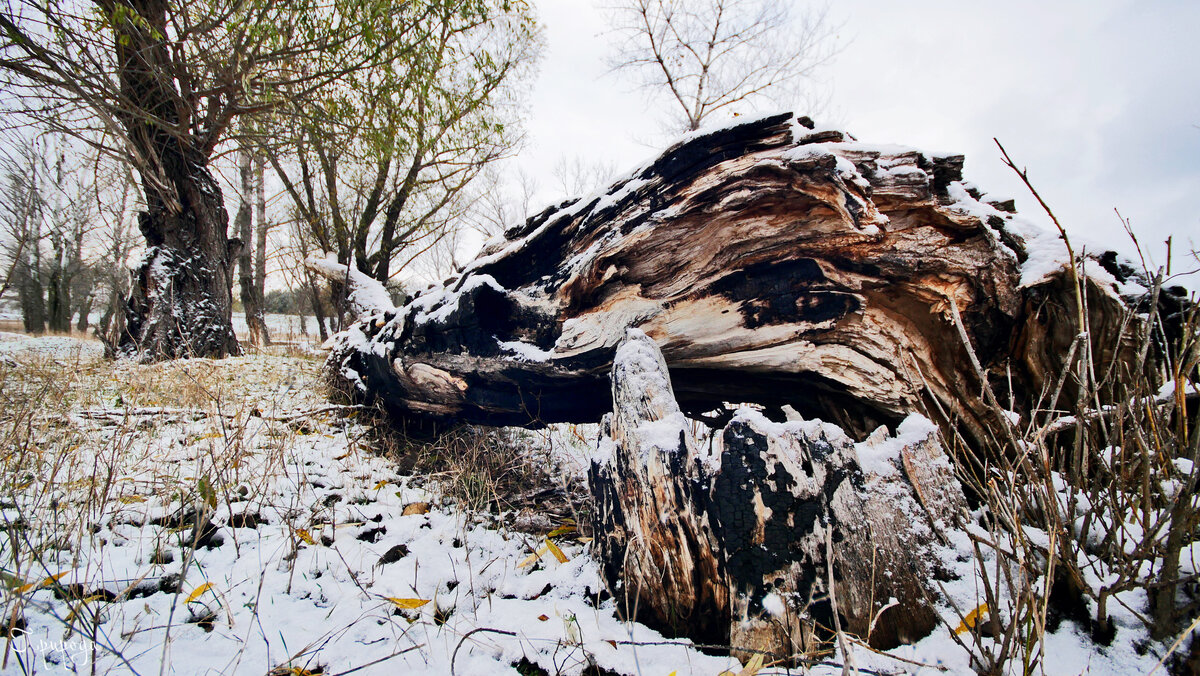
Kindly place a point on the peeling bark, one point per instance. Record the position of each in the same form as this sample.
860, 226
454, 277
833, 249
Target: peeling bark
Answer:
772, 263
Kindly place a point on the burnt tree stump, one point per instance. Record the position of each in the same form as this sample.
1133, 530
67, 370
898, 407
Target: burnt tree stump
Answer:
738, 543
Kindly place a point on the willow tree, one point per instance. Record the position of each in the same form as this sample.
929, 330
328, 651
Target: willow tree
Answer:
160, 84
390, 162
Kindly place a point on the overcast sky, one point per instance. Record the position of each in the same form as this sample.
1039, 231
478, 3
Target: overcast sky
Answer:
1099, 99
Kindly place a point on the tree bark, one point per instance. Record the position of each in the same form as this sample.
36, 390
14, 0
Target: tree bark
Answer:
181, 301
32, 295
251, 194
732, 544
259, 335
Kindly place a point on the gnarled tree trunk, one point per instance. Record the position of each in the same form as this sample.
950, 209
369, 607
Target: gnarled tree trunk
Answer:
181, 302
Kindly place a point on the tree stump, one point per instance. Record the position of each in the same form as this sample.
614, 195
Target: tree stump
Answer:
740, 542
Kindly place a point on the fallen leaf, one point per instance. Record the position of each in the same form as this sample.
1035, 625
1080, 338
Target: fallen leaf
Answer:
381, 484
305, 536
407, 603
543, 618
562, 530
558, 553
44, 583
971, 618
197, 592
752, 666
415, 508
529, 560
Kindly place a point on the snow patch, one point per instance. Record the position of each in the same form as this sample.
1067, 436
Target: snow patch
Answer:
882, 456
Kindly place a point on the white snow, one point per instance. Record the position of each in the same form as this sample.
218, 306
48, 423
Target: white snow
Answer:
438, 303
526, 351
882, 456
773, 604
367, 296
55, 347
305, 588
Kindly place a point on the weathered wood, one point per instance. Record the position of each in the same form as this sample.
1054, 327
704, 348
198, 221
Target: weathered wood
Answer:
731, 544
772, 263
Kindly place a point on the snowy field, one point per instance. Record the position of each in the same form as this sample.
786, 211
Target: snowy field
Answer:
222, 517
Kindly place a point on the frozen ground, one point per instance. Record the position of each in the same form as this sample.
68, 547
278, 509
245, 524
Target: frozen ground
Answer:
222, 517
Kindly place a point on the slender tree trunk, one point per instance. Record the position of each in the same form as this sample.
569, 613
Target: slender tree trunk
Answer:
243, 226
58, 296
258, 327
33, 302
314, 295
248, 269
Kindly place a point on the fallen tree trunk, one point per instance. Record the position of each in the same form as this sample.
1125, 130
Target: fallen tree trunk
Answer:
773, 263
749, 542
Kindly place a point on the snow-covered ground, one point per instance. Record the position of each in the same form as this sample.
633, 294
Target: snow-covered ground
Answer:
222, 517
58, 347
312, 561
281, 327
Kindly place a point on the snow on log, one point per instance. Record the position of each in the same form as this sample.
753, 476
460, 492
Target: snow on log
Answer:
732, 544
773, 263
365, 296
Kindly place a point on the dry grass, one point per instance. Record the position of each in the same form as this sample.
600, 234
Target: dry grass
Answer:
1090, 504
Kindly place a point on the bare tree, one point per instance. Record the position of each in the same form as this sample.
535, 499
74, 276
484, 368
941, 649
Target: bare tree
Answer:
47, 222
717, 55
252, 204
505, 199
576, 175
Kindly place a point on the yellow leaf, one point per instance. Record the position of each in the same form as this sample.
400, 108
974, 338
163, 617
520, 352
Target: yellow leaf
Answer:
407, 603
44, 583
305, 536
381, 484
558, 553
971, 618
414, 508
131, 499
197, 592
752, 666
562, 530
529, 560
